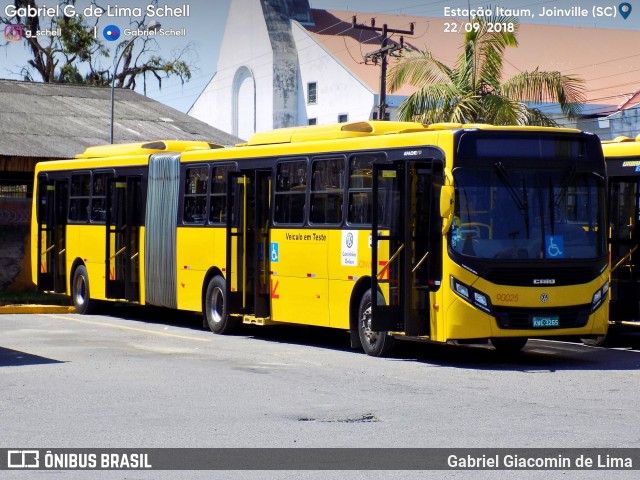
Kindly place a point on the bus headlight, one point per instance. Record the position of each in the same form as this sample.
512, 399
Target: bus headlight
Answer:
599, 297
481, 299
462, 290
471, 295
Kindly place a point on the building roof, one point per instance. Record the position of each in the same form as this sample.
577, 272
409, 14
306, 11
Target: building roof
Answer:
632, 102
59, 121
607, 60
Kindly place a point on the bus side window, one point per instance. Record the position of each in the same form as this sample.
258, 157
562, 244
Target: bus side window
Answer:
99, 197
195, 195
291, 190
218, 200
327, 191
42, 213
79, 198
360, 188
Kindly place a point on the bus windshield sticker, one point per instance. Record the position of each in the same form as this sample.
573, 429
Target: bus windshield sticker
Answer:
554, 245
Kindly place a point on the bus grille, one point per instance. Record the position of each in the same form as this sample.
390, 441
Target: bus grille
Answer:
522, 318
524, 277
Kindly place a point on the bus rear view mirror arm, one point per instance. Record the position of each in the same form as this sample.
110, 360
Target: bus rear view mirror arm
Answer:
447, 198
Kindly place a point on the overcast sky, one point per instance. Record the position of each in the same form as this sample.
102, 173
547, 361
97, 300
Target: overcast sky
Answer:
205, 24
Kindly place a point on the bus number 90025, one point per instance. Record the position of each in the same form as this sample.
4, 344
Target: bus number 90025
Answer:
507, 297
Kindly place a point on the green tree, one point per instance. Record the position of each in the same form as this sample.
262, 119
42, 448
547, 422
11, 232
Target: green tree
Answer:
79, 56
473, 91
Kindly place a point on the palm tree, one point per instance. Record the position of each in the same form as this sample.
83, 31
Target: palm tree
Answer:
472, 91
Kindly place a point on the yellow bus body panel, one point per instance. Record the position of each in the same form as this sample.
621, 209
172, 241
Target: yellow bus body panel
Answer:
87, 243
318, 271
299, 282
198, 249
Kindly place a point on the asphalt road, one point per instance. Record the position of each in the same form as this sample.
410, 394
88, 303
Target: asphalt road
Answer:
151, 378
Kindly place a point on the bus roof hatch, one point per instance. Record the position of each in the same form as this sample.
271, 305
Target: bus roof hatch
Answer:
146, 148
331, 132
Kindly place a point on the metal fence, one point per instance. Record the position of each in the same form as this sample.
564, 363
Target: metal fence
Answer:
14, 191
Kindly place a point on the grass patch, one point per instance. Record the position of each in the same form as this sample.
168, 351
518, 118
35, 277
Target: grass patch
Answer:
33, 298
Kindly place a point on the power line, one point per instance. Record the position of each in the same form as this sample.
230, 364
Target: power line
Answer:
381, 54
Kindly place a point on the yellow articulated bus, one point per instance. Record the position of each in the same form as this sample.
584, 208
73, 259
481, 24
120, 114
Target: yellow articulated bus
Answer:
622, 157
447, 233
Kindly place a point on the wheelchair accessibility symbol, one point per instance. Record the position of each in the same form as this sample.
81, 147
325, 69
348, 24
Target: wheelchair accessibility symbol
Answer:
554, 245
274, 252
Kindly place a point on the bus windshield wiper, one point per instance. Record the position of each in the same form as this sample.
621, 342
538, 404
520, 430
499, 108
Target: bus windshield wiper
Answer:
522, 202
566, 181
552, 210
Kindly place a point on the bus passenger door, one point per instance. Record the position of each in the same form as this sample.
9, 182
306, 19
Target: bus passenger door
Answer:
403, 224
247, 262
52, 222
262, 286
625, 277
123, 238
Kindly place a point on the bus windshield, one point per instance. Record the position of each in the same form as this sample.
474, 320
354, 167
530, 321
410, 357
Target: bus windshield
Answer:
544, 213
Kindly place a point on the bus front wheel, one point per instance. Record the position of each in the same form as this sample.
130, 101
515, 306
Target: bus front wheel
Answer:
376, 344
215, 307
509, 345
80, 291
599, 341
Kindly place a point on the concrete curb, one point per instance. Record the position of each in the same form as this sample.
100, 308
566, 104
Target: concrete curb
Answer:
35, 309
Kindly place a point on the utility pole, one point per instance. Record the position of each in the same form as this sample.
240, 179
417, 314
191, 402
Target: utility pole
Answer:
381, 54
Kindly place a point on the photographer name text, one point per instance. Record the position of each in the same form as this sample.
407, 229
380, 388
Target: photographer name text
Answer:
70, 10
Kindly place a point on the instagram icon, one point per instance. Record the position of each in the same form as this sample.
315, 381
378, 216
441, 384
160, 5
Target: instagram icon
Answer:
13, 33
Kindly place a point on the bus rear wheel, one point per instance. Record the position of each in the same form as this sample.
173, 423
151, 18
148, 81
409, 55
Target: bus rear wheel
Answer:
80, 292
509, 345
376, 344
215, 307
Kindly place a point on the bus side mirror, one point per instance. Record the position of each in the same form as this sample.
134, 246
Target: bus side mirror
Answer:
447, 199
